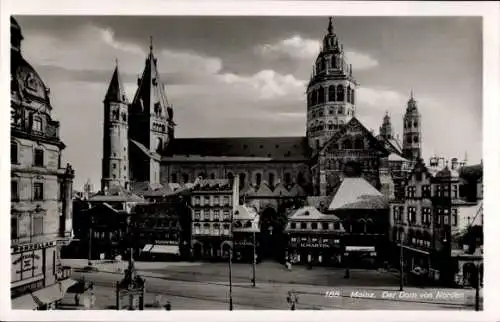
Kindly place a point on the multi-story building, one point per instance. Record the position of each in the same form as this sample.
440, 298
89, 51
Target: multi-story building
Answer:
364, 213
314, 238
245, 233
163, 228
431, 218
41, 189
213, 203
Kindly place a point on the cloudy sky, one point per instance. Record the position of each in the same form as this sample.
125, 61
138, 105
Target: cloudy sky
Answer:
246, 76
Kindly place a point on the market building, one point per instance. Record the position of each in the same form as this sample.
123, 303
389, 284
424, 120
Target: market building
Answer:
314, 238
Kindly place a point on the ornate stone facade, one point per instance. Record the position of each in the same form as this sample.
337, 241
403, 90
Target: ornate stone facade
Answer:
41, 188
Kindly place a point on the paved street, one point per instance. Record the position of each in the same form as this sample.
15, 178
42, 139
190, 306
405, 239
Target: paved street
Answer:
205, 286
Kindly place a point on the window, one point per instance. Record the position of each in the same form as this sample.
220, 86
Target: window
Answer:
38, 191
288, 178
37, 226
412, 214
348, 94
215, 200
174, 177
206, 200
212, 176
226, 215
314, 97
197, 229
216, 229
303, 225
226, 200
185, 178
325, 226
14, 227
197, 200
410, 191
216, 215
454, 217
14, 191
13, 153
352, 97
271, 180
206, 214
336, 226
37, 124
446, 220
321, 95
358, 144
38, 157
293, 225
454, 191
114, 166
340, 93
242, 180
331, 93
258, 179
314, 225
439, 191
226, 229
426, 191
197, 215
426, 216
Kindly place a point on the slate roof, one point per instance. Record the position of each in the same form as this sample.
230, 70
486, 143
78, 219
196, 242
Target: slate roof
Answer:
146, 151
357, 193
116, 91
310, 213
266, 148
319, 202
116, 194
472, 173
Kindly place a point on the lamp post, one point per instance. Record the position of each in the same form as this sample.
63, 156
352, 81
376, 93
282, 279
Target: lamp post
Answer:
401, 262
230, 264
91, 221
478, 286
347, 271
253, 259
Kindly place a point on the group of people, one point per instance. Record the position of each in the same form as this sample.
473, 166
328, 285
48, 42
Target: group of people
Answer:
88, 301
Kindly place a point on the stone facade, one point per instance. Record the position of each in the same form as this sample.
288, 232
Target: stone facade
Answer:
41, 188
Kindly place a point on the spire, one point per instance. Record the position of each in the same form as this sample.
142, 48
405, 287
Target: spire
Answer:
411, 94
330, 26
116, 91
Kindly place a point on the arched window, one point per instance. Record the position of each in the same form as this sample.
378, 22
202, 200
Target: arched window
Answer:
314, 98
322, 65
230, 176
14, 157
331, 93
415, 139
242, 180
334, 62
349, 94
288, 178
271, 180
330, 125
340, 93
358, 144
415, 123
300, 178
352, 96
258, 179
347, 145
309, 99
321, 95
185, 178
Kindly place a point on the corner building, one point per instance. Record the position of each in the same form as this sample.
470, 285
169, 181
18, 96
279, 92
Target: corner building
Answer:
41, 190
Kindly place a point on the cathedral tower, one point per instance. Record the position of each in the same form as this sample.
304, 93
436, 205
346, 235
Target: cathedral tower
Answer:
412, 135
331, 93
115, 170
151, 125
386, 128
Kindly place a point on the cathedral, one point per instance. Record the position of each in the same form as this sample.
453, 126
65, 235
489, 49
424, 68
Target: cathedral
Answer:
139, 143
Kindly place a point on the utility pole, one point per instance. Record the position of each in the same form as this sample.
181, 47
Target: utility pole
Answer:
401, 263
253, 261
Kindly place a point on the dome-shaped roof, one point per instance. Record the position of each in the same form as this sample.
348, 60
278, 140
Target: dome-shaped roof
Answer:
27, 82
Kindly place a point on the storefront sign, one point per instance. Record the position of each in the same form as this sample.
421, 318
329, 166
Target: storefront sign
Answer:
314, 245
26, 265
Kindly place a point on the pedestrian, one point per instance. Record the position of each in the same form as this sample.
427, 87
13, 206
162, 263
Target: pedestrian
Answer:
92, 299
77, 299
168, 306
158, 301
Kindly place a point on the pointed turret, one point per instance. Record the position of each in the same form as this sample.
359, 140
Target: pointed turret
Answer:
116, 91
412, 141
386, 128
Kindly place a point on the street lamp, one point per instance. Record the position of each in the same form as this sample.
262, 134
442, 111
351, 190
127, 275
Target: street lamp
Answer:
254, 259
230, 264
347, 271
401, 262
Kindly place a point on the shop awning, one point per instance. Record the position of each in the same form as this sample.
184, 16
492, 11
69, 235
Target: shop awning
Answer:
416, 250
360, 248
147, 248
165, 249
25, 302
54, 292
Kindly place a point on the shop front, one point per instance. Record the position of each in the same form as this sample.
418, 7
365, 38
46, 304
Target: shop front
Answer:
360, 256
314, 250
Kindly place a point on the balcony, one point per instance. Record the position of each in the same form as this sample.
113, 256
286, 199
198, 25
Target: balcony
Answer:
23, 128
